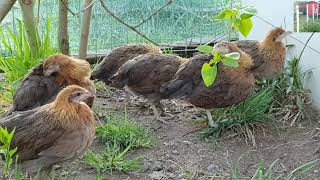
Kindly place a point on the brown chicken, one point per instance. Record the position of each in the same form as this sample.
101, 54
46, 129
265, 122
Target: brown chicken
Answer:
268, 55
232, 85
118, 56
144, 76
55, 132
44, 81
112, 62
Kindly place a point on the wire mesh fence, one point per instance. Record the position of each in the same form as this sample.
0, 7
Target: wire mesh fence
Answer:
181, 22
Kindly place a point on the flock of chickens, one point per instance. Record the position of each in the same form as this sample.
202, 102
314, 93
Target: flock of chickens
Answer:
52, 114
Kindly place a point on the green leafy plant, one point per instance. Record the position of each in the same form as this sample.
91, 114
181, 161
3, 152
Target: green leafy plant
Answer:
242, 118
238, 18
113, 159
6, 151
311, 27
21, 57
123, 132
209, 70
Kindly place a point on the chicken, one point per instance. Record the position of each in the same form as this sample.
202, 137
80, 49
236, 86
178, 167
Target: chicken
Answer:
268, 55
112, 62
54, 132
232, 85
43, 82
144, 76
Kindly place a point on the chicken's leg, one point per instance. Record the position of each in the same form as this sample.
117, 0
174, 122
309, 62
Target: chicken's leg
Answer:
156, 113
211, 123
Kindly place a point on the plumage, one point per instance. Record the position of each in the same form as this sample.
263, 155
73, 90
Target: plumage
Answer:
118, 56
41, 85
145, 74
55, 132
232, 85
268, 55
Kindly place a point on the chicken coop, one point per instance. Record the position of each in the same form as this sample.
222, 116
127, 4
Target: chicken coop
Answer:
177, 23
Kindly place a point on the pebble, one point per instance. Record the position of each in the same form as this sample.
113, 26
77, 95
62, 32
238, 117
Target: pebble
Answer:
156, 166
157, 175
175, 152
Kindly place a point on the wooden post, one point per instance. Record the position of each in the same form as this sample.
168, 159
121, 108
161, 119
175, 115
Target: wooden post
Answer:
63, 36
307, 12
30, 23
5, 7
85, 29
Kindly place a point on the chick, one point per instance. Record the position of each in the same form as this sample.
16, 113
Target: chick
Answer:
232, 85
268, 55
145, 74
54, 132
41, 85
118, 56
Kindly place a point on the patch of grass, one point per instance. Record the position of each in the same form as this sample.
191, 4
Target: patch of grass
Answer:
311, 26
103, 88
6, 96
243, 117
123, 132
120, 136
290, 94
113, 159
268, 173
21, 56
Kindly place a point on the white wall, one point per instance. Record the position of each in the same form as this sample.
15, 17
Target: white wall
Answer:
280, 13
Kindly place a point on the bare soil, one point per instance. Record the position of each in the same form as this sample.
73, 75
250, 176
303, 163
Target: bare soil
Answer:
179, 152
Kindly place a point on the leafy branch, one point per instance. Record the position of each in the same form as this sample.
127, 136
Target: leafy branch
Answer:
6, 151
209, 70
239, 19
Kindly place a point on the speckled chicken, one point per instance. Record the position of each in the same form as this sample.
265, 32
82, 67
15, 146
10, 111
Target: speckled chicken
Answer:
232, 85
55, 132
268, 55
145, 74
41, 85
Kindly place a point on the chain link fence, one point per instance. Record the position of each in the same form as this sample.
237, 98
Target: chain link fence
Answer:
182, 22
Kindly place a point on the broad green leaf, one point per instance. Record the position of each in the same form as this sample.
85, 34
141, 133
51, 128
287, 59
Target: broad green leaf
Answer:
209, 74
250, 9
246, 16
213, 61
245, 27
230, 62
225, 14
234, 55
205, 49
11, 152
218, 56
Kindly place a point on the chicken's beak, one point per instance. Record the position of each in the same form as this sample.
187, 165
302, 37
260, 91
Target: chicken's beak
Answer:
88, 98
51, 69
282, 36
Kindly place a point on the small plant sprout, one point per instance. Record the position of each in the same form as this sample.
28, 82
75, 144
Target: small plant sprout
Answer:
239, 19
209, 70
6, 151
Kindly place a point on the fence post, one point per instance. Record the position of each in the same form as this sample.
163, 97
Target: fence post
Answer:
5, 7
85, 29
63, 36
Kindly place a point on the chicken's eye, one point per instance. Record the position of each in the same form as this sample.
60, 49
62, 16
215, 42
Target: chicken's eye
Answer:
77, 94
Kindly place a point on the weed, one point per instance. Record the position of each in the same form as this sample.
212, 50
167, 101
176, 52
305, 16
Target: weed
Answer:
268, 173
242, 118
123, 132
21, 56
113, 159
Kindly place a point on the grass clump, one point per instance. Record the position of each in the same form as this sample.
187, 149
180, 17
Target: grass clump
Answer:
21, 56
243, 117
291, 97
123, 132
120, 136
268, 173
311, 26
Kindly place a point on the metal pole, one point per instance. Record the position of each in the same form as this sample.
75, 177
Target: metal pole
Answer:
307, 12
297, 17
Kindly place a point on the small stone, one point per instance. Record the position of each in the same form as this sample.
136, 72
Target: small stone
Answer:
213, 168
175, 152
157, 175
316, 171
156, 166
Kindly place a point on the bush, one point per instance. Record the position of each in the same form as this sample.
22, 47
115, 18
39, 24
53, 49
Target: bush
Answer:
311, 26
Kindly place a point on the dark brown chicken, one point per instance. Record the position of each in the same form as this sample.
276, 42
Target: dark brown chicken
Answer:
118, 56
232, 85
44, 81
268, 55
144, 76
55, 132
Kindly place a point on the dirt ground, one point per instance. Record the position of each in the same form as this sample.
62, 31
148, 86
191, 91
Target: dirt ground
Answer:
180, 153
